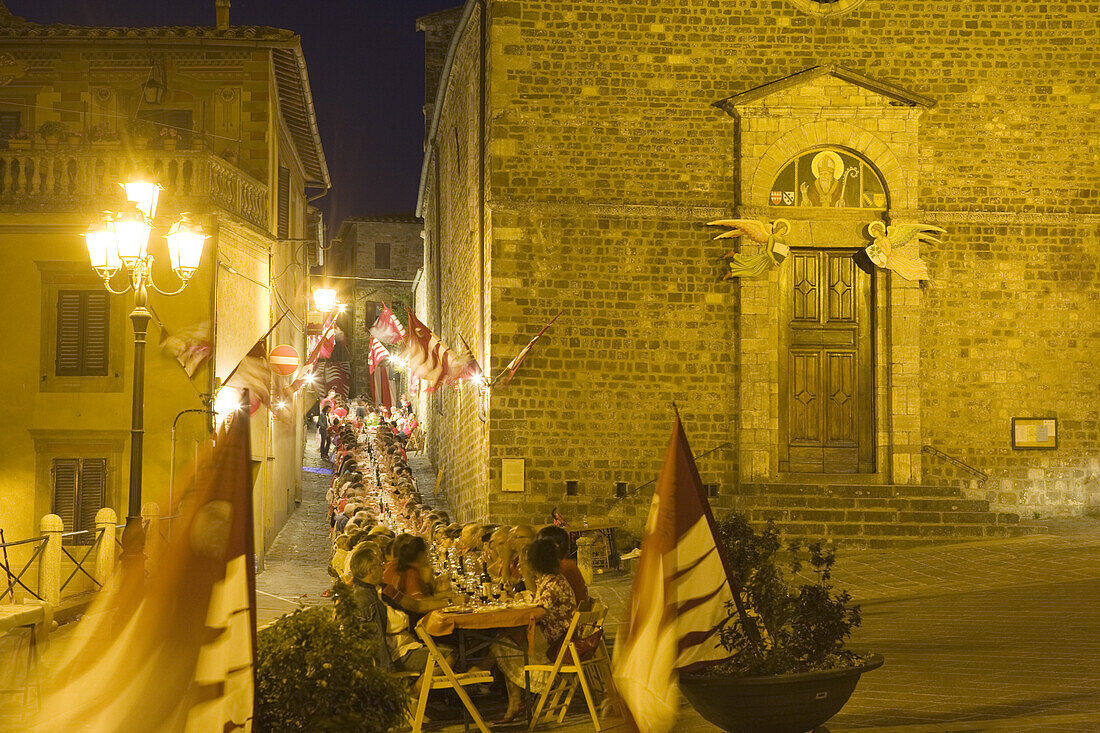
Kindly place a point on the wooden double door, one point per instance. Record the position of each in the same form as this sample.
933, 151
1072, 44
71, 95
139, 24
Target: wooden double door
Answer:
826, 363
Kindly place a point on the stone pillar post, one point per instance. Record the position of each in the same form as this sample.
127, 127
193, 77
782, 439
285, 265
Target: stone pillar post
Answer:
154, 541
49, 562
105, 520
584, 558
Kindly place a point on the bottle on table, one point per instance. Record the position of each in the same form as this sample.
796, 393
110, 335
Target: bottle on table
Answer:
486, 584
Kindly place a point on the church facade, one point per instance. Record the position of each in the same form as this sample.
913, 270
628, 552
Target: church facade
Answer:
909, 315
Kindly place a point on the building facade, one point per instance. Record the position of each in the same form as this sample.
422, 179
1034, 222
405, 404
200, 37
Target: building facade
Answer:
576, 152
379, 259
222, 118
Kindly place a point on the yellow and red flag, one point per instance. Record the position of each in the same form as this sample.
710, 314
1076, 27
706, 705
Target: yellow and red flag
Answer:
174, 653
681, 596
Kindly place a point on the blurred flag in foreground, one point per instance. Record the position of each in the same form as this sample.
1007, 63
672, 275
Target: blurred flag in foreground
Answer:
174, 653
680, 596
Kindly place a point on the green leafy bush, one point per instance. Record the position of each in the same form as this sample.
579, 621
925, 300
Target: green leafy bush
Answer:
315, 671
789, 625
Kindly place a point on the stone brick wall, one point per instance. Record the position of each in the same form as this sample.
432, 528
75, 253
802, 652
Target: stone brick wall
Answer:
605, 154
456, 274
356, 242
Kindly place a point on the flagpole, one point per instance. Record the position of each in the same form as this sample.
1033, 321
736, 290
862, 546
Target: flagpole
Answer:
261, 338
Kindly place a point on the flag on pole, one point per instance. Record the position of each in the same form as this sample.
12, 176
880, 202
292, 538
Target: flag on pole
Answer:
387, 328
253, 374
378, 353
190, 346
182, 657
515, 364
431, 360
326, 342
681, 595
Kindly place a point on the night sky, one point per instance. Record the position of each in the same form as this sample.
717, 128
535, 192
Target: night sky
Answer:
366, 69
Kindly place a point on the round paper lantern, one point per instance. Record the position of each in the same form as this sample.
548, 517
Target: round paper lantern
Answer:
283, 360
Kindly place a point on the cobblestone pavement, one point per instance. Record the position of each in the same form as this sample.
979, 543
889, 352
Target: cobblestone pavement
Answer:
999, 635
294, 573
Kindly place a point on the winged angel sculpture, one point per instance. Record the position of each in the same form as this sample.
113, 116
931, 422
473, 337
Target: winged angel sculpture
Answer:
770, 235
890, 251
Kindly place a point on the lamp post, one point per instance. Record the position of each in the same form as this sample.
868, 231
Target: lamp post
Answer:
120, 241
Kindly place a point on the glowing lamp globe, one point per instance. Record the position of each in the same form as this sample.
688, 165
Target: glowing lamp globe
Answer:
102, 246
325, 298
185, 243
144, 193
132, 231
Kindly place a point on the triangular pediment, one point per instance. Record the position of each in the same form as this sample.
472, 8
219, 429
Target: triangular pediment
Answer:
787, 91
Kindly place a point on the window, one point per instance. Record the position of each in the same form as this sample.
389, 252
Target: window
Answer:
382, 256
179, 120
10, 123
83, 324
79, 490
284, 203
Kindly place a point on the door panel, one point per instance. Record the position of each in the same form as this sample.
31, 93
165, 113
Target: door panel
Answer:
826, 374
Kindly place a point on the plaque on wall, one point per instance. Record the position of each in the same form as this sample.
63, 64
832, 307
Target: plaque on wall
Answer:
1034, 433
511, 474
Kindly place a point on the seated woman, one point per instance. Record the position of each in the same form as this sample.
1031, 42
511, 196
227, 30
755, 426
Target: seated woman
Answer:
569, 567
553, 593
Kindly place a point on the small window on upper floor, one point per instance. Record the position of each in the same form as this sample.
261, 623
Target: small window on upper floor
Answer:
382, 256
283, 223
83, 331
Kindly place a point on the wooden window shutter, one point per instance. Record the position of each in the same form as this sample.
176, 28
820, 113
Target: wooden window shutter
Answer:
382, 256
93, 490
65, 478
97, 312
69, 328
83, 330
284, 203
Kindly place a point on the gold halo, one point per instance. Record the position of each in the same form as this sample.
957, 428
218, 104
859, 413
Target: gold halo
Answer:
838, 163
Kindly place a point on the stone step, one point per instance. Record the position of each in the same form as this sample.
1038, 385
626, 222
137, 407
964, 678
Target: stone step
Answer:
883, 535
841, 503
847, 490
879, 516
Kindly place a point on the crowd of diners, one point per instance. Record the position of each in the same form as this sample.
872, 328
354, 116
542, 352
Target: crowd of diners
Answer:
403, 559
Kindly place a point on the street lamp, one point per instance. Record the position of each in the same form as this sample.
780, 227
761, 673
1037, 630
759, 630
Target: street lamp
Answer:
120, 241
324, 299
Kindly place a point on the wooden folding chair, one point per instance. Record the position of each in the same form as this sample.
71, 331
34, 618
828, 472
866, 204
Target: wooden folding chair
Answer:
569, 670
438, 675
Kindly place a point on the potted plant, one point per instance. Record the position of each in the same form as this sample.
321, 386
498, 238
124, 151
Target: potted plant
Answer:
169, 138
51, 131
19, 140
314, 672
102, 136
74, 138
789, 670
140, 132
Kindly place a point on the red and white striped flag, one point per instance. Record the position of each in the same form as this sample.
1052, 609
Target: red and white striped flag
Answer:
378, 353
387, 328
325, 343
431, 360
515, 364
681, 595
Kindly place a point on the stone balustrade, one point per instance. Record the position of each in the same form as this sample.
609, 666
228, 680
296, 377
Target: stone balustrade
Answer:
86, 179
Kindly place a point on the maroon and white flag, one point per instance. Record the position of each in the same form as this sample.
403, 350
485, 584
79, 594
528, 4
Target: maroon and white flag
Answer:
515, 364
326, 342
387, 328
253, 375
431, 360
378, 354
681, 595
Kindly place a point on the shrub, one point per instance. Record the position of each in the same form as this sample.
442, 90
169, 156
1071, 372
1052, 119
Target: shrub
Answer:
792, 626
315, 671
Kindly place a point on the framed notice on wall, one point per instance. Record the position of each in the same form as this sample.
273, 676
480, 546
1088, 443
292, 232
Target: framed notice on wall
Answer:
1034, 433
511, 474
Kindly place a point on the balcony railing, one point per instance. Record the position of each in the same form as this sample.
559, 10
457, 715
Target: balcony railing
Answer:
82, 178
